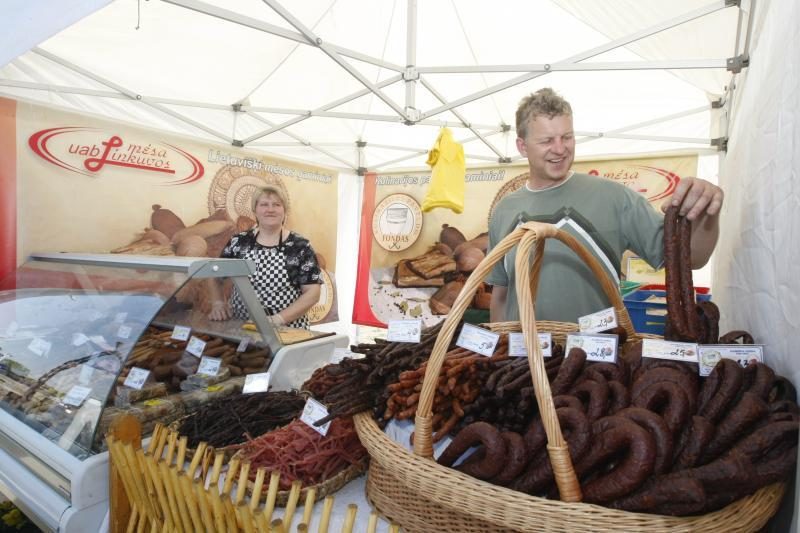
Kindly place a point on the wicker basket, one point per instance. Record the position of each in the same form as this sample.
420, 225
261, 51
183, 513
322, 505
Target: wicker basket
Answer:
322, 489
421, 495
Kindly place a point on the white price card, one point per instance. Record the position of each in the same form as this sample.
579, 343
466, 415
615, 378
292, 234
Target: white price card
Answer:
86, 374
196, 346
404, 330
676, 351
119, 318
243, 344
516, 345
124, 332
209, 366
136, 378
12, 329
599, 321
101, 341
39, 346
256, 383
598, 346
181, 333
76, 395
312, 412
344, 353
79, 339
478, 340
744, 354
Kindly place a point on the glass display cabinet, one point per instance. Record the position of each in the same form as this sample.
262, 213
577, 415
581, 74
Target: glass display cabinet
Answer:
84, 338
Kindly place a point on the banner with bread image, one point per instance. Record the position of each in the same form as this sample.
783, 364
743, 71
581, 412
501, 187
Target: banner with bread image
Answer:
93, 185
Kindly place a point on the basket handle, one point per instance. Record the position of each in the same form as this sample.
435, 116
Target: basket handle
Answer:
527, 235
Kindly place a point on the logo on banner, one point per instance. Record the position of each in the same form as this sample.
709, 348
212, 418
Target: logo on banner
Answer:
90, 151
397, 222
652, 182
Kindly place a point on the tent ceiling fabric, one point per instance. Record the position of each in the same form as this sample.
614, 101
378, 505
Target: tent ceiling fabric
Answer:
191, 61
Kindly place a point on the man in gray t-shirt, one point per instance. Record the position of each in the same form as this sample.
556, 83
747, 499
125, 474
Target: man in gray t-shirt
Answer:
607, 218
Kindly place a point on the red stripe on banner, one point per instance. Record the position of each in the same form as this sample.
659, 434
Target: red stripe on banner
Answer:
362, 311
8, 189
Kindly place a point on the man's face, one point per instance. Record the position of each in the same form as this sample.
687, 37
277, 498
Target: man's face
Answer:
549, 148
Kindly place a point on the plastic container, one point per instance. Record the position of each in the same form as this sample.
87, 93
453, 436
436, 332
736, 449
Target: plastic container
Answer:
648, 307
626, 287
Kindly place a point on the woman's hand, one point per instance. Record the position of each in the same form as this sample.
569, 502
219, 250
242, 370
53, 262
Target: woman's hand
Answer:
277, 320
219, 311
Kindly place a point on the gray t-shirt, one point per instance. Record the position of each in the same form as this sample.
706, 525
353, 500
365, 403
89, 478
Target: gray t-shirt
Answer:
606, 217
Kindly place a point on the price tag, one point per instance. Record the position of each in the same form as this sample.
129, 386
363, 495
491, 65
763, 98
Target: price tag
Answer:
676, 351
599, 321
312, 412
516, 345
76, 395
153, 402
95, 315
196, 346
404, 330
256, 383
86, 374
124, 332
12, 329
100, 341
181, 333
744, 354
209, 366
478, 340
39, 346
243, 344
214, 388
120, 317
598, 346
343, 353
136, 378
79, 339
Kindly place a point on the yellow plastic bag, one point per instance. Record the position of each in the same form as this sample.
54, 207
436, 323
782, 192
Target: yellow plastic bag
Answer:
446, 159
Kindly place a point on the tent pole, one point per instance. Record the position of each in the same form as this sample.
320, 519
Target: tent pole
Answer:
331, 52
130, 94
612, 45
249, 22
326, 107
411, 75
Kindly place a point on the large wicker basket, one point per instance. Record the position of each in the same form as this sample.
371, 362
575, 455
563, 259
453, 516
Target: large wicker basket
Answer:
416, 492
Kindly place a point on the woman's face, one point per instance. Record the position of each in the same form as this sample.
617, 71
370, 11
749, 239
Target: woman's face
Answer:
269, 211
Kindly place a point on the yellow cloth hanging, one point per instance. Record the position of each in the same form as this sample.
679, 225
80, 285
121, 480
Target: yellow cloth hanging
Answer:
448, 168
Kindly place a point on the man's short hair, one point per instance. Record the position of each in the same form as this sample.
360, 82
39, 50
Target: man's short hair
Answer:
544, 102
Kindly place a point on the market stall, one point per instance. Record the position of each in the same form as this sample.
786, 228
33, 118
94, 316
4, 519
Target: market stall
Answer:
338, 87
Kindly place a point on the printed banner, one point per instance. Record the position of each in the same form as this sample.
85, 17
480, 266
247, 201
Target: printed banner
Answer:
91, 185
403, 269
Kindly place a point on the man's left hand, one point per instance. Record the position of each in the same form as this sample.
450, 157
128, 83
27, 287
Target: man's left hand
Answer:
696, 197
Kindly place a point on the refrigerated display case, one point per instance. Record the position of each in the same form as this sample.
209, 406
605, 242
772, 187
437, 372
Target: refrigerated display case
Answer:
72, 328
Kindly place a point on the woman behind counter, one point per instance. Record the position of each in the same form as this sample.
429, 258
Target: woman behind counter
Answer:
287, 277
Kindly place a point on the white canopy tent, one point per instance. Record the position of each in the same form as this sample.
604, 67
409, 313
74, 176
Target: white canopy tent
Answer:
338, 82
354, 85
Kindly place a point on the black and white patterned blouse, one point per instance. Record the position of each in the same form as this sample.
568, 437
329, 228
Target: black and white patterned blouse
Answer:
280, 271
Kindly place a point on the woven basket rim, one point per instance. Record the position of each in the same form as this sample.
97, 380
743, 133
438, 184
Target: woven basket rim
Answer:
511, 509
